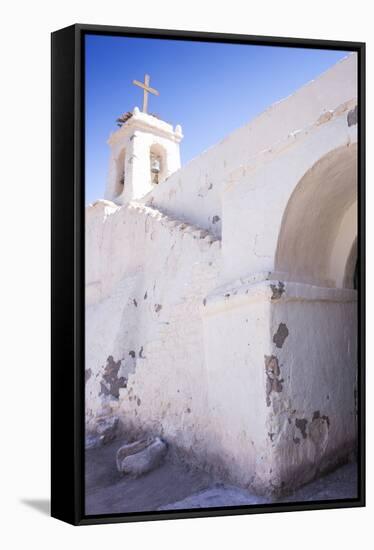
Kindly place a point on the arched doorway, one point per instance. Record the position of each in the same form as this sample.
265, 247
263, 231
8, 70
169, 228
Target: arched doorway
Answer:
319, 225
316, 257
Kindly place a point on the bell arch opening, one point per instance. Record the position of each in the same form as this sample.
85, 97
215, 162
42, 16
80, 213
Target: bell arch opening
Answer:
120, 174
158, 168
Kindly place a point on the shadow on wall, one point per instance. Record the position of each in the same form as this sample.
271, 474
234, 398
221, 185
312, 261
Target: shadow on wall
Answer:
316, 243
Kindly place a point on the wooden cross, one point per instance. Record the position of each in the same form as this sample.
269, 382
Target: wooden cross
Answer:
146, 90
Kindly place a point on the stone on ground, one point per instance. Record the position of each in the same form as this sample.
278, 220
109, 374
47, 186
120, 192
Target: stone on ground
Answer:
141, 456
106, 430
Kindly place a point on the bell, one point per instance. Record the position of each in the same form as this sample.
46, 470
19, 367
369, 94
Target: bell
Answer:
155, 166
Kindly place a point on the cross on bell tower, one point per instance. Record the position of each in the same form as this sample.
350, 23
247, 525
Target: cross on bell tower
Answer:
146, 90
144, 152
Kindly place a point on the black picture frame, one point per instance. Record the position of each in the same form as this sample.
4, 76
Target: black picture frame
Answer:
68, 158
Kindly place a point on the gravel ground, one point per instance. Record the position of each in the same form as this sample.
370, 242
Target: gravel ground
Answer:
174, 486
109, 493
341, 484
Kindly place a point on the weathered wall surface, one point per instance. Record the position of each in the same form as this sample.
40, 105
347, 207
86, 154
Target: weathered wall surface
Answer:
313, 418
255, 204
237, 336
144, 328
282, 365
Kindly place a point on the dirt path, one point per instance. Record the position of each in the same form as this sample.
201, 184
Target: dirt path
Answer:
174, 486
109, 493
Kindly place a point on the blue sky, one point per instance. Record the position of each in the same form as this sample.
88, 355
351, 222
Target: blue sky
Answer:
209, 88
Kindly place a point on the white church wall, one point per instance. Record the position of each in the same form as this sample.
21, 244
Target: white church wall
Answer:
323, 319
237, 338
147, 317
167, 394
108, 254
282, 365
313, 417
195, 192
254, 205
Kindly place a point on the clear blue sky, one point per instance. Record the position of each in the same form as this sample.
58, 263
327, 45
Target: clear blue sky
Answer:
210, 89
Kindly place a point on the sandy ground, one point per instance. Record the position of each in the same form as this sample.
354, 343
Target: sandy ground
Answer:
108, 492
175, 486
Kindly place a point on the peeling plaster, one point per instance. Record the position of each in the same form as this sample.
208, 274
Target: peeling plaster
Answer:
325, 117
273, 382
281, 335
111, 383
317, 415
277, 291
301, 424
352, 117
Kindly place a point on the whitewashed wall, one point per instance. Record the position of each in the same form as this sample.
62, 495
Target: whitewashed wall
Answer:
254, 205
191, 327
282, 366
313, 419
147, 316
195, 192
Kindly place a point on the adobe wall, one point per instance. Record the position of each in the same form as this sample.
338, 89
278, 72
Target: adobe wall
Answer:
148, 276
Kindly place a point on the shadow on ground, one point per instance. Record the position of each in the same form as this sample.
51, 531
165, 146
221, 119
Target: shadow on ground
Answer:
41, 505
175, 486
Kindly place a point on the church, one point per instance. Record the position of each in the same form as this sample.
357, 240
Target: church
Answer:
221, 296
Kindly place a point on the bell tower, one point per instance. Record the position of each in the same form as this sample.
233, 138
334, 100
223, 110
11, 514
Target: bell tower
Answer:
144, 152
